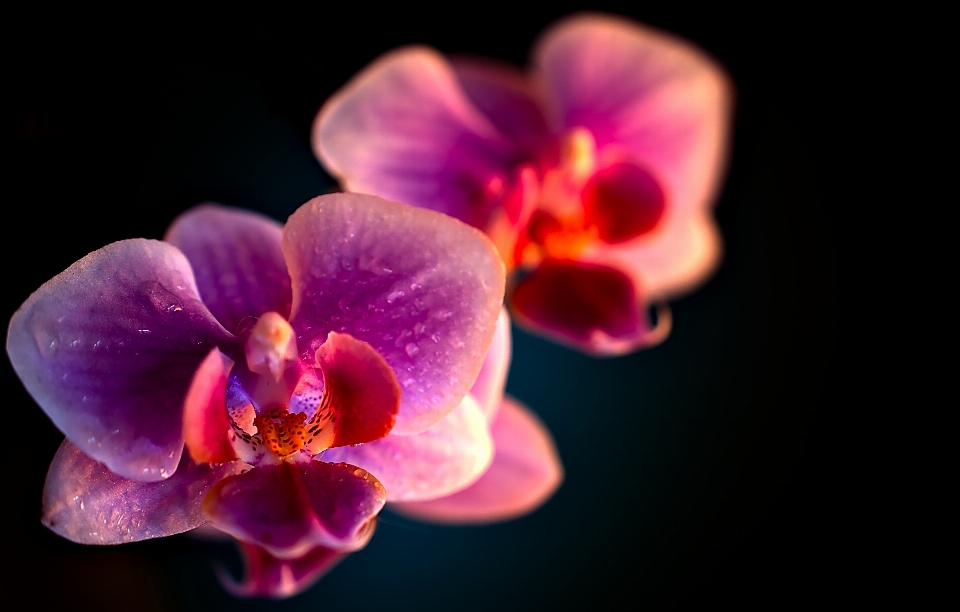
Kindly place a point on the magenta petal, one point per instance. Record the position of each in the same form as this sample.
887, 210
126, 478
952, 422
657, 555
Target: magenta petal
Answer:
591, 307
268, 576
404, 129
291, 508
237, 260
421, 288
108, 349
206, 427
526, 471
85, 502
445, 458
503, 94
488, 388
653, 96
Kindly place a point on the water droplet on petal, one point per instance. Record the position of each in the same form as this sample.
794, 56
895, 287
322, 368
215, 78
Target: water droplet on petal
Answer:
393, 296
411, 349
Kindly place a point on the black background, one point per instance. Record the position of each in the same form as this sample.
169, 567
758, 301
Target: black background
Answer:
740, 465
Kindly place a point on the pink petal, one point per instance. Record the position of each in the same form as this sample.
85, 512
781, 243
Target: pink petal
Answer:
363, 391
445, 458
404, 129
421, 288
488, 388
505, 97
525, 473
268, 576
237, 260
85, 502
108, 349
291, 508
593, 308
679, 255
206, 428
650, 96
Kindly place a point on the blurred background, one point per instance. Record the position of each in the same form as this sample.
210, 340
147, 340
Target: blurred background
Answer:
684, 486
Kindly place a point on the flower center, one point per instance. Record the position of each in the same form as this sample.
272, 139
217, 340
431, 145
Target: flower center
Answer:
581, 200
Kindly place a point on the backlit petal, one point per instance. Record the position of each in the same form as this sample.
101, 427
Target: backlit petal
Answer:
206, 428
108, 349
421, 288
291, 508
591, 307
526, 471
404, 129
268, 576
445, 458
505, 97
488, 389
237, 260
651, 96
85, 502
679, 255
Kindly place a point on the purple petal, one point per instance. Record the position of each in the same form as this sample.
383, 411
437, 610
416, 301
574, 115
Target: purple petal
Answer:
108, 349
655, 98
404, 129
445, 458
525, 473
593, 308
505, 97
488, 389
268, 576
421, 288
206, 428
237, 260
291, 508
85, 502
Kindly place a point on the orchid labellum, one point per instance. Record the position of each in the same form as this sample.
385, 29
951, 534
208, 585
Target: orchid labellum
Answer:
226, 375
595, 173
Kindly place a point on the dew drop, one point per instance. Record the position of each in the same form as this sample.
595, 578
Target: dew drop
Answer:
411, 349
393, 296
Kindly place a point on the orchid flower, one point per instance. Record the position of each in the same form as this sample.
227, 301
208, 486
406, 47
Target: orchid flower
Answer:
257, 348
594, 174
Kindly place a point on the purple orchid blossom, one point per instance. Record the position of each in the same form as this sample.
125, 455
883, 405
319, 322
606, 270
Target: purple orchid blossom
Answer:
264, 352
595, 174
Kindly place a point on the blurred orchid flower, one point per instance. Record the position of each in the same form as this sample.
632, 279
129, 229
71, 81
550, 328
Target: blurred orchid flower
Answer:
595, 174
256, 348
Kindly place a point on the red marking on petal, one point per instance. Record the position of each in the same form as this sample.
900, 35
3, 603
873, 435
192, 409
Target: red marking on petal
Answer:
574, 300
206, 427
360, 388
623, 201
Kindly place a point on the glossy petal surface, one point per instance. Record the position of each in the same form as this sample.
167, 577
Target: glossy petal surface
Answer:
655, 98
361, 388
591, 307
268, 576
85, 502
446, 458
206, 428
421, 288
403, 129
525, 472
291, 508
237, 261
108, 349
488, 388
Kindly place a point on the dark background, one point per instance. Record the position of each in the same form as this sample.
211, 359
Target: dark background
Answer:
740, 465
